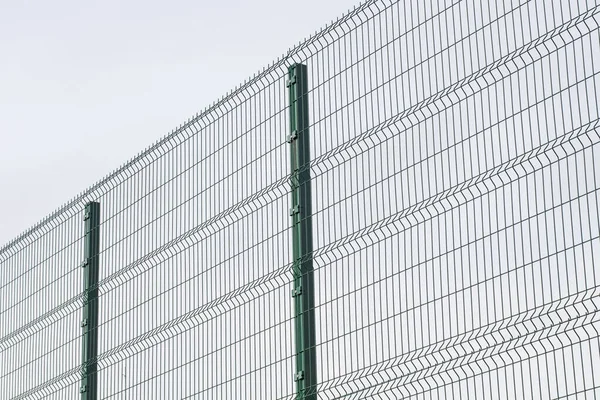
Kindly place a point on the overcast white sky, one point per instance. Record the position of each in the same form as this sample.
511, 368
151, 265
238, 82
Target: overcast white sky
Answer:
84, 86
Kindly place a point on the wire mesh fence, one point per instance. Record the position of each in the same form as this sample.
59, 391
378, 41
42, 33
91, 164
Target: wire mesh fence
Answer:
453, 212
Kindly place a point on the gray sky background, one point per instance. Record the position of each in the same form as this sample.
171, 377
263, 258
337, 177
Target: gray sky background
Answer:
84, 86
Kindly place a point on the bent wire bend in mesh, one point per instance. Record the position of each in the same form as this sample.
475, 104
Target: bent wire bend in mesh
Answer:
455, 223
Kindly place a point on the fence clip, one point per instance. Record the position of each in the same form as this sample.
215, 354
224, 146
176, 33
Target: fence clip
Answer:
297, 291
294, 210
292, 136
290, 81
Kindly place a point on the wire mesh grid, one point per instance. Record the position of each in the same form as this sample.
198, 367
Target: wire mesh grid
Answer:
455, 220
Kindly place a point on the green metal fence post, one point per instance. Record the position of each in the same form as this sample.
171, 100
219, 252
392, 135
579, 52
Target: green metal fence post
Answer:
303, 291
89, 323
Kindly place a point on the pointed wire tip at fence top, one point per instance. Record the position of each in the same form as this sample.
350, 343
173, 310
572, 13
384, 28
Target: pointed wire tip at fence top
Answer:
99, 185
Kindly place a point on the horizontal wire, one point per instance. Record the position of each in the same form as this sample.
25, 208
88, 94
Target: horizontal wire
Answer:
101, 357
378, 224
456, 381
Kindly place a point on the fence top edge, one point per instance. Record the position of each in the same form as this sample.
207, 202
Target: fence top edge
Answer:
77, 203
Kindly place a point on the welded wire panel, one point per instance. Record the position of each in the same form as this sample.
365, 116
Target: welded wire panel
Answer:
191, 276
455, 178
455, 221
39, 338
194, 264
